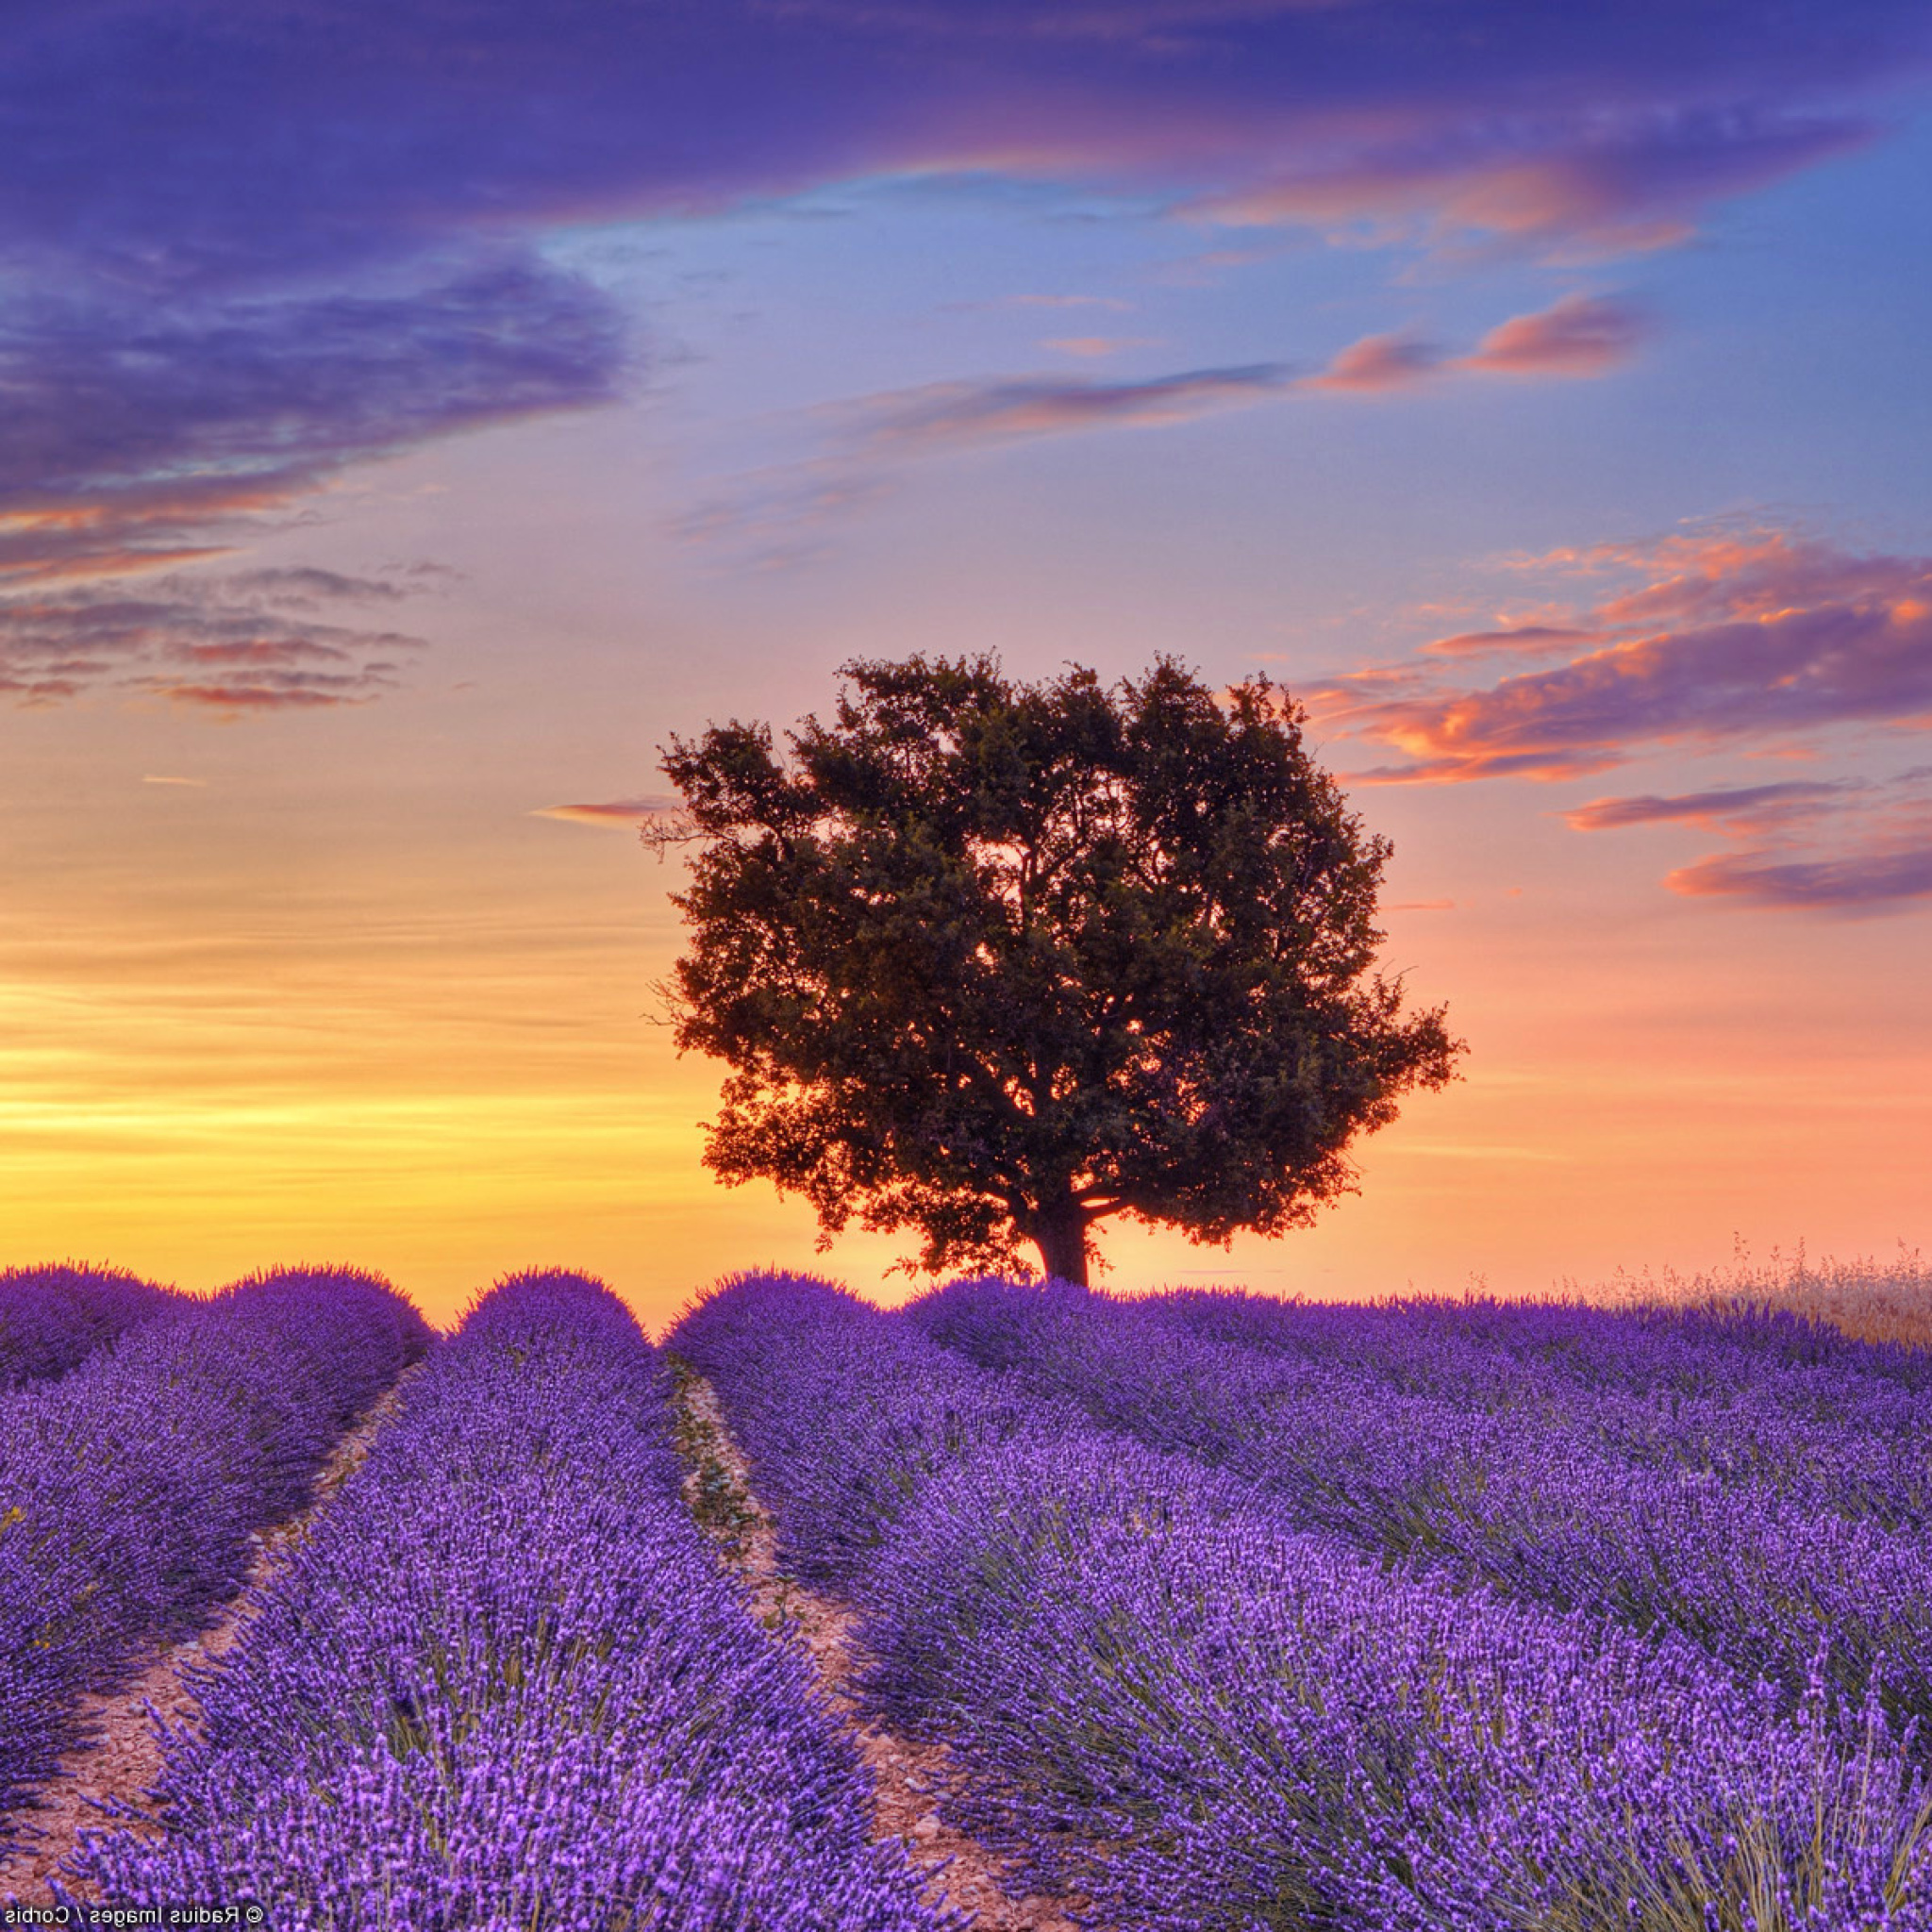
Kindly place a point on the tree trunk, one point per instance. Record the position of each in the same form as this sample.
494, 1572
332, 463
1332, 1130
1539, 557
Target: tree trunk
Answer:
1061, 1234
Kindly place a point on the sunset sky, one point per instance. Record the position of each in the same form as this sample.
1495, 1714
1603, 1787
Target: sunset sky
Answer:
414, 414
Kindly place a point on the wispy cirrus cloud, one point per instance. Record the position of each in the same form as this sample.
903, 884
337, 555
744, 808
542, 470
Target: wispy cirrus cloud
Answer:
1725, 636
1741, 810
245, 642
248, 246
1114, 303
1871, 881
1549, 185
1722, 638
1523, 639
867, 439
1097, 346
774, 514
954, 415
1847, 845
619, 815
1579, 336
140, 438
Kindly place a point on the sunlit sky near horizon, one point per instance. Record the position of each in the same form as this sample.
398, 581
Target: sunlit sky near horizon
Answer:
416, 415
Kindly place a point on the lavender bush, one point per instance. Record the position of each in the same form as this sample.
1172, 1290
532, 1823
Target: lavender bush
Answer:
1178, 1702
1819, 1568
1748, 1396
899, 1408
130, 1488
53, 1317
504, 1683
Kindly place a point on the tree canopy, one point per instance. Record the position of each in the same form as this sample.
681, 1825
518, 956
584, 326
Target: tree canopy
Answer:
994, 961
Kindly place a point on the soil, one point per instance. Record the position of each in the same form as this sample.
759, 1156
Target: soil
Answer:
120, 1756
911, 1778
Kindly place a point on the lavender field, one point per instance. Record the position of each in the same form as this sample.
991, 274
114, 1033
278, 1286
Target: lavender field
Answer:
1200, 1612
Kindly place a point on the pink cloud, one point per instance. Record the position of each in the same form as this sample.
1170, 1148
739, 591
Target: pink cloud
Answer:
619, 813
1579, 336
1376, 363
1555, 188
1525, 640
257, 696
1098, 345
1733, 636
1858, 882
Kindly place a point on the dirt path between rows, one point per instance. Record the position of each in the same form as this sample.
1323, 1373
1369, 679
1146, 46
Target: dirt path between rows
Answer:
911, 1778
122, 1756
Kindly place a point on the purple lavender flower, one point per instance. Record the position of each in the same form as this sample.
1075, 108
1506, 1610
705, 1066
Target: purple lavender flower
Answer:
53, 1317
506, 1683
1168, 1694
128, 1489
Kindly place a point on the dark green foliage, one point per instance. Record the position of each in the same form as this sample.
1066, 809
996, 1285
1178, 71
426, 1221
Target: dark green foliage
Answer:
992, 961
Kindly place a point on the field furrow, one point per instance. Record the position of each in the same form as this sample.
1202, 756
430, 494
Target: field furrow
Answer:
912, 1777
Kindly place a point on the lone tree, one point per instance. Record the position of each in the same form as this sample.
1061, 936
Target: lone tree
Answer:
994, 961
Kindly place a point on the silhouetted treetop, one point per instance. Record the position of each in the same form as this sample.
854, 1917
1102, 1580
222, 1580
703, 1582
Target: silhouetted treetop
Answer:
994, 961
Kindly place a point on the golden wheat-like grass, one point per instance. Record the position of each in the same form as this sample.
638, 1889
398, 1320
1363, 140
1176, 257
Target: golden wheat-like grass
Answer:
1871, 1300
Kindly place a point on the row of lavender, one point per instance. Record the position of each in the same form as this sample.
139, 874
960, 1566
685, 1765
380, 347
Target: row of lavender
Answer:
1770, 1509
1745, 1394
504, 1683
52, 1319
130, 1486
1178, 1701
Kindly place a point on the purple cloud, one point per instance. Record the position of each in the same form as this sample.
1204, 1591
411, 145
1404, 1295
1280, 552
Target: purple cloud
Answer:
222, 143
1860, 882
248, 245
1741, 810
869, 437
954, 414
240, 643
1727, 636
1719, 637
134, 435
